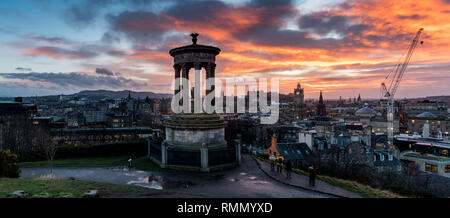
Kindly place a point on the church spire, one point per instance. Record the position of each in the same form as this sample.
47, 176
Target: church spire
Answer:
321, 108
320, 97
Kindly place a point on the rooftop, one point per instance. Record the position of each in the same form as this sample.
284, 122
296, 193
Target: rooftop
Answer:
426, 114
9, 102
366, 110
431, 157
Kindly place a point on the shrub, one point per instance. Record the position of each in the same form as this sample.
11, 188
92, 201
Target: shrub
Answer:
8, 164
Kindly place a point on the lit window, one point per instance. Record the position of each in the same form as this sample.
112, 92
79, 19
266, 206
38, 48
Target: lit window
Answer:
445, 152
447, 169
430, 168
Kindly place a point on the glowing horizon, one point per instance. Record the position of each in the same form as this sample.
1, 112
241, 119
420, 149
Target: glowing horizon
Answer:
344, 48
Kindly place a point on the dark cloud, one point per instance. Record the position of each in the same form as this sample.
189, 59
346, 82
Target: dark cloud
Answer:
110, 38
62, 53
412, 17
59, 40
150, 28
197, 10
74, 79
323, 23
142, 27
104, 71
270, 3
23, 69
85, 12
161, 29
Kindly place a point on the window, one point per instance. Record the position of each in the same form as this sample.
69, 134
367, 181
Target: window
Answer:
431, 168
445, 152
447, 169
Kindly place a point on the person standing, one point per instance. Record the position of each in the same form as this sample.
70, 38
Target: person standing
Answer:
288, 169
312, 176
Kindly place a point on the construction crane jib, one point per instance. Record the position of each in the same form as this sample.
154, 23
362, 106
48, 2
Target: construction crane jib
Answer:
393, 79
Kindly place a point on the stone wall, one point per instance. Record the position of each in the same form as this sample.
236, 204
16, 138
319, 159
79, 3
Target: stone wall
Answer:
208, 136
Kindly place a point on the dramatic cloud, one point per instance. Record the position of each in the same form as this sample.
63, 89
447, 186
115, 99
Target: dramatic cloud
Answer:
104, 71
77, 80
57, 40
85, 12
343, 47
61, 53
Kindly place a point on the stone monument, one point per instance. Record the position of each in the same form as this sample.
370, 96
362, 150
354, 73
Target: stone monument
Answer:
196, 141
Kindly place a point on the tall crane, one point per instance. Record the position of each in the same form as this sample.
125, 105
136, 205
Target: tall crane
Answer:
393, 79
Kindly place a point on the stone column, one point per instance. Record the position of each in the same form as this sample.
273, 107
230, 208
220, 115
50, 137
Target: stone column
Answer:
238, 153
197, 91
210, 73
177, 69
185, 84
204, 158
163, 155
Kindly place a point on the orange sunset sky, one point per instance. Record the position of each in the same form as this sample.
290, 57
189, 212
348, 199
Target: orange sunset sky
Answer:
343, 48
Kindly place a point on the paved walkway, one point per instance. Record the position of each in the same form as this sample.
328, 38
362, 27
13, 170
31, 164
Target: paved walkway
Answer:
301, 181
246, 181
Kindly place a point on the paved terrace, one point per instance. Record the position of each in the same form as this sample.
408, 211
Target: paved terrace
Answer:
302, 182
247, 181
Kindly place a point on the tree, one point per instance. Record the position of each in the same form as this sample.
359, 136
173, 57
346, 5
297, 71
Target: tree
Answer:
8, 164
50, 151
410, 171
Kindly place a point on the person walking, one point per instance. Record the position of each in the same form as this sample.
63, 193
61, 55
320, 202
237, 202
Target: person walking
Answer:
288, 169
272, 162
129, 164
279, 164
312, 176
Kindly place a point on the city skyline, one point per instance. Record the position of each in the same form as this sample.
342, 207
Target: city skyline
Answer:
344, 48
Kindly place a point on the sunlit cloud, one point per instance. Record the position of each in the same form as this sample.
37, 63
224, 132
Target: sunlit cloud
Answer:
340, 47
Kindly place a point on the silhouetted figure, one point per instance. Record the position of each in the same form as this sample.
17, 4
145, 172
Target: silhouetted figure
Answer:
129, 164
279, 164
312, 176
272, 162
288, 169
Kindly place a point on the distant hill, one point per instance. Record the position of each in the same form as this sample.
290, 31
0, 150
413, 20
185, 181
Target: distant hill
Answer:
120, 94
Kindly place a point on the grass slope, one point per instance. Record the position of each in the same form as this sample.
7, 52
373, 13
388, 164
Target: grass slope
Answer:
60, 188
352, 186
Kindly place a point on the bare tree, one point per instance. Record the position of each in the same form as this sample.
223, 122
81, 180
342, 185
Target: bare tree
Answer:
410, 171
50, 151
